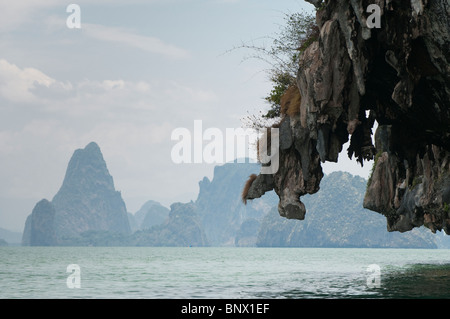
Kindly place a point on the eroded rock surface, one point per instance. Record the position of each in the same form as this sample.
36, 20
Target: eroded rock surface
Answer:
356, 75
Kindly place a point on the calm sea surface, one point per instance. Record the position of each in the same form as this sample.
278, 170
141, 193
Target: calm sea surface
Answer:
148, 272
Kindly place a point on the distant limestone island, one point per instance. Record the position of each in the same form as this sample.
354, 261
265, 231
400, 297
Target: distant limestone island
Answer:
87, 201
88, 211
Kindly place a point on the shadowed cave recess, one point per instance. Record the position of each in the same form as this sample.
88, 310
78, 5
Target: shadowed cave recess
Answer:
353, 78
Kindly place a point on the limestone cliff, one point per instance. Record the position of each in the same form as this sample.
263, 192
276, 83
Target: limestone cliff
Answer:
219, 203
86, 201
151, 214
182, 228
357, 74
40, 226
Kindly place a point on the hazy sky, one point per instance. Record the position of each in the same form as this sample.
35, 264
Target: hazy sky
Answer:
134, 72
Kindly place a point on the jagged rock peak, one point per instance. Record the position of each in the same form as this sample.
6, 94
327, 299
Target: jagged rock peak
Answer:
86, 201
87, 168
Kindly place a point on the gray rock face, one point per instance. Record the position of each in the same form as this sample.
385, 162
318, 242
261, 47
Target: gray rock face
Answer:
248, 232
86, 201
353, 75
151, 214
40, 226
184, 220
219, 203
216, 218
182, 228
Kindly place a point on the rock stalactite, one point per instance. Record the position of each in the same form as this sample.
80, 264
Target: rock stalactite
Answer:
356, 76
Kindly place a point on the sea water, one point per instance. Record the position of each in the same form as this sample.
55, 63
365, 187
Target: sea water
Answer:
195, 273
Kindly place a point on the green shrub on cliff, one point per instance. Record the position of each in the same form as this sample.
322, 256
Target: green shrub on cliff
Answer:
297, 33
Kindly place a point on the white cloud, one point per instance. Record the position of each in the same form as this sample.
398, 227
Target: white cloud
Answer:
13, 14
16, 84
146, 43
31, 88
122, 36
44, 120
